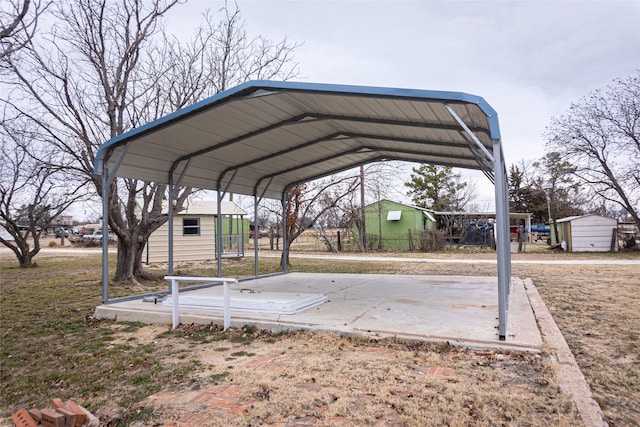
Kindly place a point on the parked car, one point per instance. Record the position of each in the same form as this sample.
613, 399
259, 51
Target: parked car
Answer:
96, 237
61, 231
85, 232
261, 233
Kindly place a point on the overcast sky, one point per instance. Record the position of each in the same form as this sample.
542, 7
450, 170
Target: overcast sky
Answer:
528, 59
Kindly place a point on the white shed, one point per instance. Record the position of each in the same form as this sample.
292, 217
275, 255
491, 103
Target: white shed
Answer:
588, 233
194, 233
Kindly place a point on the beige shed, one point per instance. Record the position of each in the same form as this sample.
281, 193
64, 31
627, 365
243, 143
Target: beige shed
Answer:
194, 233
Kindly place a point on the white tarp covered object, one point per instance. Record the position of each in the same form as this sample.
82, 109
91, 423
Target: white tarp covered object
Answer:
260, 302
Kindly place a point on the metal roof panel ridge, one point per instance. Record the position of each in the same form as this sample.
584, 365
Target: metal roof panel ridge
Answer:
338, 89
387, 91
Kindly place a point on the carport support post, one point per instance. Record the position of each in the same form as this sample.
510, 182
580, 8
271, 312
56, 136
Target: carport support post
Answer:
219, 233
170, 225
173, 186
255, 234
105, 231
107, 180
502, 231
284, 229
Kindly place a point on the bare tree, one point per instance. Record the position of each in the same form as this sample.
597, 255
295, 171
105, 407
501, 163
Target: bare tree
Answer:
217, 57
33, 193
18, 23
307, 203
107, 67
600, 136
378, 177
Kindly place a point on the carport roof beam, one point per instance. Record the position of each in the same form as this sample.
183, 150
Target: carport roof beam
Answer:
474, 138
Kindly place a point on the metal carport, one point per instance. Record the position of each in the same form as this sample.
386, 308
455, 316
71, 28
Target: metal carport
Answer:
262, 137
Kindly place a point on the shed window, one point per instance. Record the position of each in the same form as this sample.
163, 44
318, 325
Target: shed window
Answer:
190, 226
394, 215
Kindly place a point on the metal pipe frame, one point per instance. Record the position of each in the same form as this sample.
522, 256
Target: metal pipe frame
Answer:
502, 219
342, 136
219, 226
256, 202
502, 239
469, 132
105, 213
285, 251
170, 225
219, 218
107, 180
170, 211
255, 236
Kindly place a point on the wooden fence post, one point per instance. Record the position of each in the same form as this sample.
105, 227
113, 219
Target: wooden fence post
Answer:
410, 241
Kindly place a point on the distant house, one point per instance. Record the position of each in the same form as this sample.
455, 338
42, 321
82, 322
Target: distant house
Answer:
588, 233
388, 223
194, 233
63, 221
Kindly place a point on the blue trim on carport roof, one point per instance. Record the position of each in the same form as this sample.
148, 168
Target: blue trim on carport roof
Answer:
438, 95
252, 86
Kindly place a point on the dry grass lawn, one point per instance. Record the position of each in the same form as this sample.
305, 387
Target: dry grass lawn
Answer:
52, 347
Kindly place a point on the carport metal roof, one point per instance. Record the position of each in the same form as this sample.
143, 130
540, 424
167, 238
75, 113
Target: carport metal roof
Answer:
261, 137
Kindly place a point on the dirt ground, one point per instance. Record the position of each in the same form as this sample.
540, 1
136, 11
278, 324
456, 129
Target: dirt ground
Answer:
199, 376
322, 379
596, 306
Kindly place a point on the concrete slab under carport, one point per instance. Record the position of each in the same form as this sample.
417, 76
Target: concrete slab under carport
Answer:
459, 309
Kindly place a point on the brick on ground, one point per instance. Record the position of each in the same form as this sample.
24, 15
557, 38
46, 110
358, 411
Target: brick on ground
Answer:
75, 408
21, 418
35, 414
69, 417
56, 403
52, 418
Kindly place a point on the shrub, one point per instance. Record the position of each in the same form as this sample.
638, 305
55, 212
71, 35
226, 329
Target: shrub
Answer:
431, 240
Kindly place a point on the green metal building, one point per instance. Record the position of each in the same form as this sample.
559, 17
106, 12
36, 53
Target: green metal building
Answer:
391, 225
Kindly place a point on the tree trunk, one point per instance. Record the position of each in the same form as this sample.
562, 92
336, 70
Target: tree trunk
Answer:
22, 251
26, 260
129, 267
125, 264
134, 229
283, 260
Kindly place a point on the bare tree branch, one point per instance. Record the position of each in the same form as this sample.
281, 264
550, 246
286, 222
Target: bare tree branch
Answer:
33, 193
600, 135
18, 24
106, 66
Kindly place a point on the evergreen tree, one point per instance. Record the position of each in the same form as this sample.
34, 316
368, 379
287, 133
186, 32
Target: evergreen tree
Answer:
526, 195
439, 188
